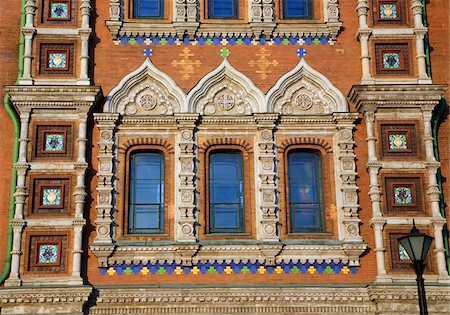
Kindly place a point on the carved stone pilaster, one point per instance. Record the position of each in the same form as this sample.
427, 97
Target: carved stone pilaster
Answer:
185, 217
115, 17
267, 217
106, 124
347, 169
185, 18
261, 16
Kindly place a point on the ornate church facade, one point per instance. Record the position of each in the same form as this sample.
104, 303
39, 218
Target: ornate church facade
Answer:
223, 156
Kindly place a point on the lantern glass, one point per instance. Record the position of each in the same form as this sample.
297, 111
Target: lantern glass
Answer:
416, 245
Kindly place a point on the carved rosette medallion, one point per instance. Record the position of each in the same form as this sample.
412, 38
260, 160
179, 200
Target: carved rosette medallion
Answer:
303, 102
225, 101
148, 102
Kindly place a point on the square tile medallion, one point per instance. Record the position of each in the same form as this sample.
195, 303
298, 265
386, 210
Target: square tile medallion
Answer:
398, 141
59, 10
388, 11
57, 59
48, 253
51, 196
403, 195
54, 141
392, 60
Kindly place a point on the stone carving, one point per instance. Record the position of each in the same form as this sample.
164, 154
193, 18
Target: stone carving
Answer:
303, 101
147, 101
225, 101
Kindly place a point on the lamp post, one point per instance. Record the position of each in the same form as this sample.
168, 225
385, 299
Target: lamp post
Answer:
417, 245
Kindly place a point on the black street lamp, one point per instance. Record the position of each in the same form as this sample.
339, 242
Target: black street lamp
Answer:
417, 245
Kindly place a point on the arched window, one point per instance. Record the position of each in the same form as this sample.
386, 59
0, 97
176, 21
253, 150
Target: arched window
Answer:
226, 192
297, 9
306, 210
146, 197
148, 9
223, 9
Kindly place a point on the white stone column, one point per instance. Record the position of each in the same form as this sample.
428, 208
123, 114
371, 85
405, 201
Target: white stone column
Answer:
364, 33
420, 30
267, 192
85, 33
186, 191
377, 222
28, 31
20, 195
434, 195
79, 194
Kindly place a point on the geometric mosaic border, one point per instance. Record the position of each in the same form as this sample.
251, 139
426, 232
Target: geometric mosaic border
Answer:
221, 40
227, 268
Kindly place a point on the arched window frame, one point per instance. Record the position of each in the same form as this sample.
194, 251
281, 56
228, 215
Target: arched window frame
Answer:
327, 188
168, 194
204, 216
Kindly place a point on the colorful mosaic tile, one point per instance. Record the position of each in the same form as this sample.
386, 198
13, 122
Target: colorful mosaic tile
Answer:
392, 60
388, 11
402, 254
398, 141
57, 60
48, 254
224, 41
227, 268
403, 195
60, 10
51, 197
54, 142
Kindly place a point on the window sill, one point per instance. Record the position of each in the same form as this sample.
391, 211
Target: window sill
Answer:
251, 251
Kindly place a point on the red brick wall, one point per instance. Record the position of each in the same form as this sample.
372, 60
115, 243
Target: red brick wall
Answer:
9, 47
439, 34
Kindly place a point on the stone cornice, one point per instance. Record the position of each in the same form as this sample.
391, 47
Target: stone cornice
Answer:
326, 252
373, 97
47, 295
51, 97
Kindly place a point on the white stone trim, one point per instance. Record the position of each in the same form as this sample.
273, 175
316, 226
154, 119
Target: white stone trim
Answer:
124, 93
304, 76
208, 87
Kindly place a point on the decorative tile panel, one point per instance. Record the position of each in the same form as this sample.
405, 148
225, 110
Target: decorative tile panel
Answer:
399, 140
56, 59
388, 11
59, 10
47, 253
399, 258
392, 59
53, 141
403, 194
50, 196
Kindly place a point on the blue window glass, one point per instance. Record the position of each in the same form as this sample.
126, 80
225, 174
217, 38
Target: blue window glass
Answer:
305, 192
297, 9
226, 192
223, 9
148, 8
146, 200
